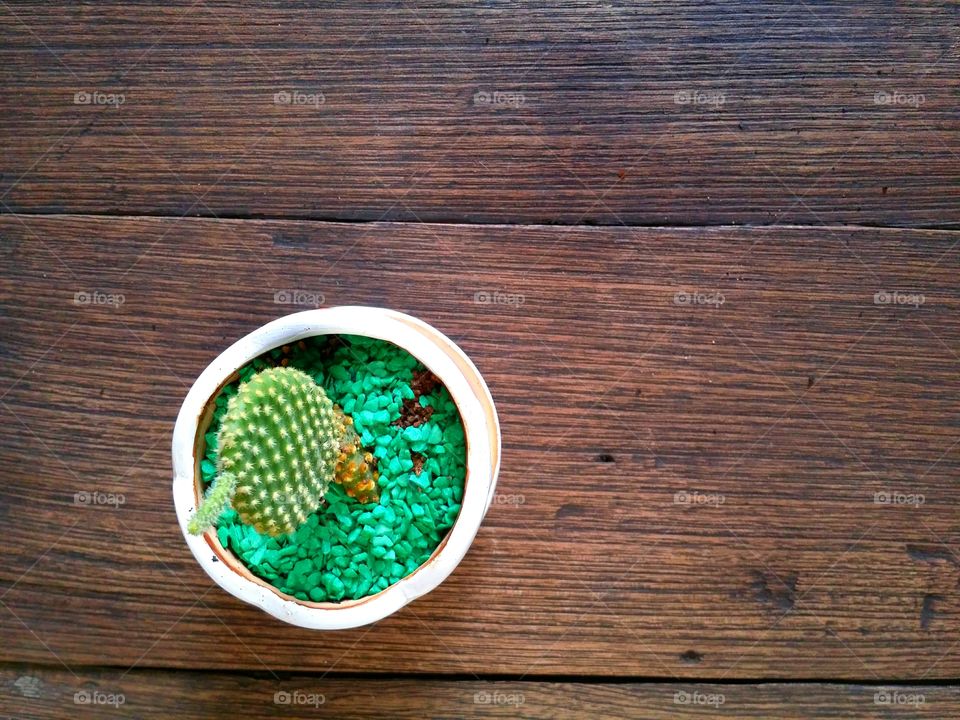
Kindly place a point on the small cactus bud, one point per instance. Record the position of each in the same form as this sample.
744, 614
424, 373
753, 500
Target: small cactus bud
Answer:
354, 467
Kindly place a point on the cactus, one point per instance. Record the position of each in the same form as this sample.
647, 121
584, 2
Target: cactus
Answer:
354, 468
281, 442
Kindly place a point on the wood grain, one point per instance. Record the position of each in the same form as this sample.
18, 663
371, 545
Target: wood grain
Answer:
680, 113
777, 416
40, 693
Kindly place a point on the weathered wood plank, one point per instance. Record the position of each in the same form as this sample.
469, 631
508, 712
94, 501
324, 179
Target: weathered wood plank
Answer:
40, 693
640, 113
780, 413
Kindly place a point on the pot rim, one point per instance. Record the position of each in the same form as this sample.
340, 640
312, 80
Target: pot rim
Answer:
481, 428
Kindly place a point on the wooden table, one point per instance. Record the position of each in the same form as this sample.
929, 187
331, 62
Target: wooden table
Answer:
705, 255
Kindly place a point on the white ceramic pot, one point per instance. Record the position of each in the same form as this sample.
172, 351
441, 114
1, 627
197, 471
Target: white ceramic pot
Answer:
442, 356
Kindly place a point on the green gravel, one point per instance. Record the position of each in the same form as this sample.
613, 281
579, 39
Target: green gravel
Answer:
347, 550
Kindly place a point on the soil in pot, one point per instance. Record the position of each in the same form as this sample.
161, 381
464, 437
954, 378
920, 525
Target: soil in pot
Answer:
406, 418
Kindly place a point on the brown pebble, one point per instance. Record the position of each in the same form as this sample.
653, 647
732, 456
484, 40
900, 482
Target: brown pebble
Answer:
413, 414
424, 382
418, 461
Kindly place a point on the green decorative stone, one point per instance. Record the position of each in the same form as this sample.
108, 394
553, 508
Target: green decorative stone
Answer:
345, 549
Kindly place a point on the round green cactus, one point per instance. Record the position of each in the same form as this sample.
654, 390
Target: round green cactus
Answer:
281, 442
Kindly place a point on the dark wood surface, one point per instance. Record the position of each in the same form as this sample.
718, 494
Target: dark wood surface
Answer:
593, 132
755, 498
43, 693
782, 412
